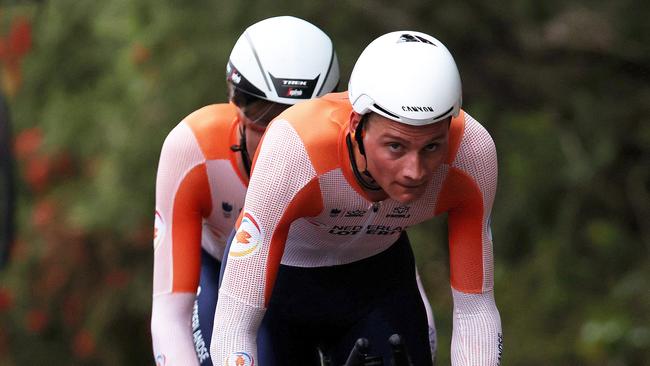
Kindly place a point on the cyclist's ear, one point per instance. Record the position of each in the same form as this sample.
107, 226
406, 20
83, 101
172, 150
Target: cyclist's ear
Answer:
355, 118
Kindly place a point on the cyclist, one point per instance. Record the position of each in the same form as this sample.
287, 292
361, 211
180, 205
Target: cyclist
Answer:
320, 257
203, 173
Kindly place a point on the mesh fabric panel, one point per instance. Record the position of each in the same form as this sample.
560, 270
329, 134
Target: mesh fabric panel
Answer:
241, 301
476, 338
180, 154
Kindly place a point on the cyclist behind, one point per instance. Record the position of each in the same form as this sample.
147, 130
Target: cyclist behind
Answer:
204, 169
336, 182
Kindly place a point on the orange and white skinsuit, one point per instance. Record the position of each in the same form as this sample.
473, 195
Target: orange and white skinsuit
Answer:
199, 193
304, 208
200, 190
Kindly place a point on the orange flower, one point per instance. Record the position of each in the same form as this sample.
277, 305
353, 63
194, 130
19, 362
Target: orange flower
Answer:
20, 38
38, 172
12, 50
28, 142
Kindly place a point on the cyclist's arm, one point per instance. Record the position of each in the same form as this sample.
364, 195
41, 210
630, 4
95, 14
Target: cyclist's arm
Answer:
182, 199
282, 188
476, 338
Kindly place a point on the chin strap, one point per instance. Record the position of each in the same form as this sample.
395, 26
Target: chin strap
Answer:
246, 159
369, 185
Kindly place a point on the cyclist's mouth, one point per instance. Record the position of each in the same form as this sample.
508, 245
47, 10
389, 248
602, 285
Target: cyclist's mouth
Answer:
411, 186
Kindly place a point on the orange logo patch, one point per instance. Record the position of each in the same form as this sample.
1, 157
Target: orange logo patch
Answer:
248, 238
243, 236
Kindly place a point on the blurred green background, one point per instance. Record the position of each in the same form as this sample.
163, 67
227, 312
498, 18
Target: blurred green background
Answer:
562, 86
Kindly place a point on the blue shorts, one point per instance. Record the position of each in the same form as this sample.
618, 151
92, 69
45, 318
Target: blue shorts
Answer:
205, 306
329, 308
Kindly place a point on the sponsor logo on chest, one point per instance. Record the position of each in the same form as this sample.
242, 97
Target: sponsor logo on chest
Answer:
400, 212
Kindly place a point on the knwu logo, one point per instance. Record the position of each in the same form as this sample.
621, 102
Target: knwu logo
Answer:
240, 359
248, 238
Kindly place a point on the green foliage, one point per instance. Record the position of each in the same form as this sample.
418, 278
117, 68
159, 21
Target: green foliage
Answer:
563, 87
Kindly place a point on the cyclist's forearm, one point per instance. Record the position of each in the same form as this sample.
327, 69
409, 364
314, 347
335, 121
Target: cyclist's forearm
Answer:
235, 330
477, 339
171, 329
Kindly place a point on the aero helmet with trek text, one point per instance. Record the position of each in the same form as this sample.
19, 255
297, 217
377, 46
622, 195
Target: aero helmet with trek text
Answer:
406, 76
283, 60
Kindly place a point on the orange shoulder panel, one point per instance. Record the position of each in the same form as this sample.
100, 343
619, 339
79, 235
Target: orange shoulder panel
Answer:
462, 198
212, 127
319, 123
191, 204
307, 203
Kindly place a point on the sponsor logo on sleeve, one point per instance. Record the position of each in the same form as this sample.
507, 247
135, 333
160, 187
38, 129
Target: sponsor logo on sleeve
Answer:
240, 359
200, 345
159, 229
500, 347
248, 238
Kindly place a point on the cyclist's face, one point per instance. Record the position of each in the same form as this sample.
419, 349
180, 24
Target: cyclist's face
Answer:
256, 116
402, 158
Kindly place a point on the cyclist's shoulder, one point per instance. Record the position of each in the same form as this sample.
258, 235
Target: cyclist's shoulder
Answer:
211, 118
468, 140
331, 107
211, 127
319, 121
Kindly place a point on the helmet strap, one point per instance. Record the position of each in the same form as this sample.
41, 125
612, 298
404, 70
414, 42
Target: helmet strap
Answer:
369, 185
246, 160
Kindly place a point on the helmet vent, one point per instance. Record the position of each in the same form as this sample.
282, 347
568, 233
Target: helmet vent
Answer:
385, 111
257, 58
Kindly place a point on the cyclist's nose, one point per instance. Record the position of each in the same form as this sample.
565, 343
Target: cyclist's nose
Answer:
413, 168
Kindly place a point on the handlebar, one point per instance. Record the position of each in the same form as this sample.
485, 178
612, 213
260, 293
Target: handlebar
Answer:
359, 356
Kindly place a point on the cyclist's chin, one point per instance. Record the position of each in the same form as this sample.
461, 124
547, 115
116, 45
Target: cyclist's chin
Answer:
404, 194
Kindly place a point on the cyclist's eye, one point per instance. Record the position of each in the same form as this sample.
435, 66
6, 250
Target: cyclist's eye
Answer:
394, 146
431, 147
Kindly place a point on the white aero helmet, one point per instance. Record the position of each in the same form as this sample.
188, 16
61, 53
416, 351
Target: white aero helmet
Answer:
409, 77
283, 60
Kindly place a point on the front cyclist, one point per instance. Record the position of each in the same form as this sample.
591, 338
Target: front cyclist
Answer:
320, 257
204, 169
